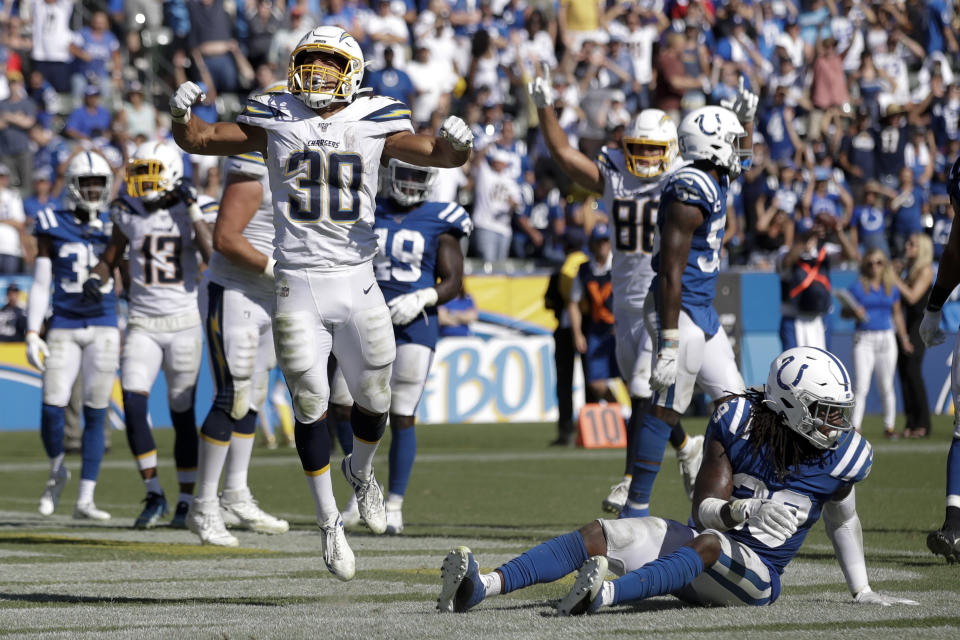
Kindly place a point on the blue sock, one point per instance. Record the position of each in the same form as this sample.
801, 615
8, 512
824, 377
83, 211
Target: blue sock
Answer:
403, 451
186, 445
650, 444
139, 435
545, 562
51, 429
93, 440
662, 576
953, 468
313, 444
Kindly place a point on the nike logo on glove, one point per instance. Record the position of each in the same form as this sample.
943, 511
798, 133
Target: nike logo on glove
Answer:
367, 290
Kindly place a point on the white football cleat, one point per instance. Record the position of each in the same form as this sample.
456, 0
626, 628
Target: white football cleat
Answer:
394, 518
337, 554
614, 502
204, 519
239, 509
369, 497
689, 460
89, 511
51, 493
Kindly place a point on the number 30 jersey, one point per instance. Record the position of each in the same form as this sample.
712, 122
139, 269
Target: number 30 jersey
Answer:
74, 250
324, 174
163, 257
632, 206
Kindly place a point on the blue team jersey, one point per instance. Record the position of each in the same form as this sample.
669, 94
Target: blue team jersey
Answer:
75, 249
807, 488
692, 186
407, 259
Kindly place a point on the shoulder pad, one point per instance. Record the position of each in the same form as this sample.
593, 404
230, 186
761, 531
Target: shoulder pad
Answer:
856, 458
46, 220
381, 109
692, 185
456, 219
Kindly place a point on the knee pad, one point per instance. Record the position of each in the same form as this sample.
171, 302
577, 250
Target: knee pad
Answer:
99, 383
259, 387
294, 341
57, 386
241, 359
377, 342
309, 405
374, 393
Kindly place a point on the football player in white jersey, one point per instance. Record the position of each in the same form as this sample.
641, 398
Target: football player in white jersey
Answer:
161, 222
324, 144
236, 301
629, 177
81, 337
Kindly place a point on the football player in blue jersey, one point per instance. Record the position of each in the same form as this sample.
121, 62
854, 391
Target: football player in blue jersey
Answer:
692, 347
420, 266
775, 460
82, 335
946, 540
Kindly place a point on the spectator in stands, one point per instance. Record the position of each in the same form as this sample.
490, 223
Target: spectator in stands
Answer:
857, 155
779, 129
919, 157
673, 80
90, 120
579, 21
17, 114
868, 225
51, 40
97, 58
264, 21
387, 29
214, 50
390, 81
824, 196
914, 287
456, 316
433, 81
286, 38
907, 209
42, 196
12, 224
829, 90
138, 115
13, 319
891, 141
497, 198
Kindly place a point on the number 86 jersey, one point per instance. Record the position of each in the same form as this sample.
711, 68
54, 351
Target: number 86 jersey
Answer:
324, 175
632, 206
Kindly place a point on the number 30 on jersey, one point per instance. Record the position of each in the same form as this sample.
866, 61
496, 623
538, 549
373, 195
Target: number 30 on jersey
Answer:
330, 187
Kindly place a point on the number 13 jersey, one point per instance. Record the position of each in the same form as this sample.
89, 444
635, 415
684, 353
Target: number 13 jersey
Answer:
324, 174
632, 205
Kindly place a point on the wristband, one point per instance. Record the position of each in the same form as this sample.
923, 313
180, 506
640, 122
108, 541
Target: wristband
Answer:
268, 270
670, 338
196, 213
709, 514
938, 296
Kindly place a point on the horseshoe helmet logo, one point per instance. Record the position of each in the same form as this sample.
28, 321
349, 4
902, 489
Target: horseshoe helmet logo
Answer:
702, 120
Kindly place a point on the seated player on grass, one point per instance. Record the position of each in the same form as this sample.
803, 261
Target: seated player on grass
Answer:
774, 461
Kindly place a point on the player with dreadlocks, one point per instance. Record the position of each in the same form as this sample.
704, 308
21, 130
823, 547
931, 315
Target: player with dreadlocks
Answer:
774, 460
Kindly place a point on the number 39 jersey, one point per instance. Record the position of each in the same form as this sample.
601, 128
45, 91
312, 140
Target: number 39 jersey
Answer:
324, 174
694, 187
808, 486
632, 206
74, 250
163, 257
408, 256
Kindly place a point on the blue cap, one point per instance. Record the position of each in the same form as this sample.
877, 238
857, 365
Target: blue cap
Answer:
821, 174
600, 232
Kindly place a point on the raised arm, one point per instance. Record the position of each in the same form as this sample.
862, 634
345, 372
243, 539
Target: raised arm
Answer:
451, 148
575, 164
218, 139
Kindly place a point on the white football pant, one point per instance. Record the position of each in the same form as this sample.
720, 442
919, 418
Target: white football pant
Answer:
634, 351
174, 343
407, 381
94, 351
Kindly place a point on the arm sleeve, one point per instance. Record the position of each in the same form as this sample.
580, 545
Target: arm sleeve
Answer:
39, 298
844, 530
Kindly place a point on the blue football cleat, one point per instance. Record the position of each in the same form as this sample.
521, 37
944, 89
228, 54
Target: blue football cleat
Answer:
155, 508
462, 588
584, 597
180, 516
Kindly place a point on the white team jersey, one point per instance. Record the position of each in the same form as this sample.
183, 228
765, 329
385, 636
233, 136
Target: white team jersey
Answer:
259, 232
324, 174
632, 206
163, 259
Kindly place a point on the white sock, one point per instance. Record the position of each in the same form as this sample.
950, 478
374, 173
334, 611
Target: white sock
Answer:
361, 463
238, 461
85, 493
394, 500
209, 465
606, 594
153, 485
351, 503
492, 584
185, 497
322, 489
55, 463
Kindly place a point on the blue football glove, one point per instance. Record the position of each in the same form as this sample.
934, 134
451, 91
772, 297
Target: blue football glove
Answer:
186, 191
91, 289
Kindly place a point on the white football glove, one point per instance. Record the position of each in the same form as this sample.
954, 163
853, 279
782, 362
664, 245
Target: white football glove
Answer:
665, 371
36, 347
744, 105
770, 517
404, 309
186, 95
457, 133
869, 596
541, 89
930, 331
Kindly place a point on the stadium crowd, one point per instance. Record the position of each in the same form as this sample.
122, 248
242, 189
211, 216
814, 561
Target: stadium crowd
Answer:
859, 111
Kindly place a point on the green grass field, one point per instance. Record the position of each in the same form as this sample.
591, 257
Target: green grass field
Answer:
496, 488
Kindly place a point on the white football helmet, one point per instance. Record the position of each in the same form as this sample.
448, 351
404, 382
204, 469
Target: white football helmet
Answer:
810, 388
89, 181
407, 183
153, 169
713, 134
651, 127
315, 85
